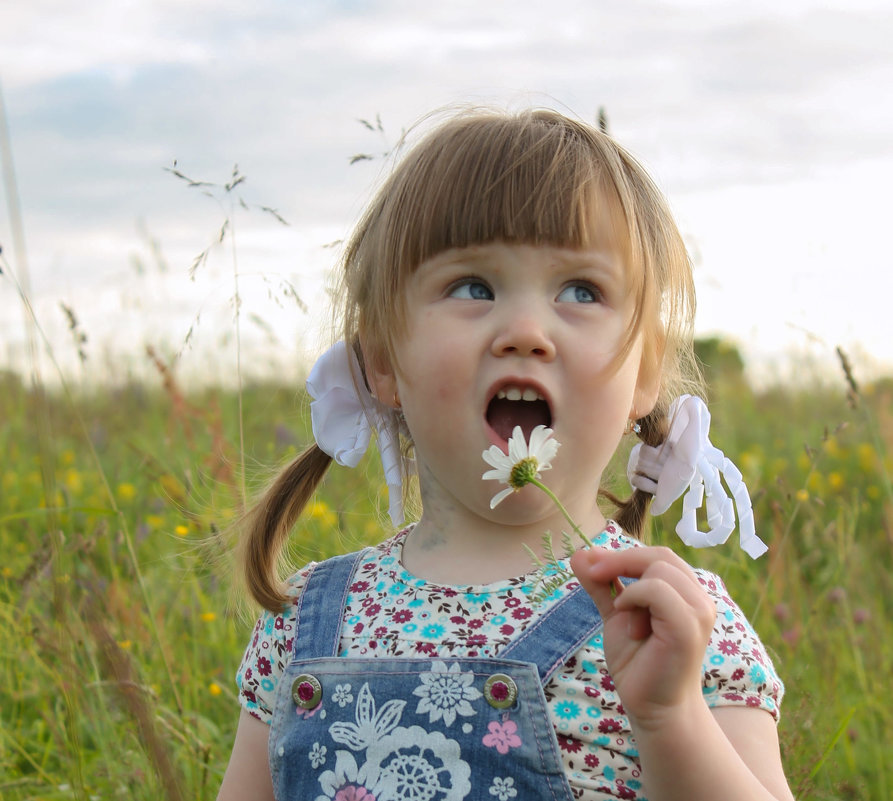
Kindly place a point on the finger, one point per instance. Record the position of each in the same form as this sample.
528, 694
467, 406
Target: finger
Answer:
668, 614
683, 579
671, 600
632, 562
603, 592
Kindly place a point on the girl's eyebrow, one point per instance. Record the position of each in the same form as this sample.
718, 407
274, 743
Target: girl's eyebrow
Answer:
583, 259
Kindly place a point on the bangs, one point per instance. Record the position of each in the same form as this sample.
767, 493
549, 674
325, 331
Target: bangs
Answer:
520, 180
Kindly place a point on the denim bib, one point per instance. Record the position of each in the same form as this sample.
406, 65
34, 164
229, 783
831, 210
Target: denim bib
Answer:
418, 729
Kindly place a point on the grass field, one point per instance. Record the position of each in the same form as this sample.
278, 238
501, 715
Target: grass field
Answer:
122, 633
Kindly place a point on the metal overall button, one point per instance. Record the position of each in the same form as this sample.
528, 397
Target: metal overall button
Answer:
306, 691
500, 691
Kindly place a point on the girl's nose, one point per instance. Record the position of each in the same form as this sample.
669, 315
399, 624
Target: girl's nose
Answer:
523, 335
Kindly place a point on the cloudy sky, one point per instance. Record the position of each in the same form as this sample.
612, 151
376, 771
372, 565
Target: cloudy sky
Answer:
769, 125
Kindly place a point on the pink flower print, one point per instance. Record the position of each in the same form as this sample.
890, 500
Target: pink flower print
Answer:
354, 793
728, 647
264, 667
502, 736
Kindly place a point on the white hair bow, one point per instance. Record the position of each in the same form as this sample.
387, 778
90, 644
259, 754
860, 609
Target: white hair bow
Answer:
343, 415
687, 462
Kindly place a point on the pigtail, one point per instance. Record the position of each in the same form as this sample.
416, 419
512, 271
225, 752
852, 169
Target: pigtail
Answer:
632, 513
269, 523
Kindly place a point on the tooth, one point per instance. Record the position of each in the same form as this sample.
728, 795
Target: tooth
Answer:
513, 394
530, 395
501, 394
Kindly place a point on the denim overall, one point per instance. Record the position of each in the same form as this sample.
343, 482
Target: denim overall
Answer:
418, 729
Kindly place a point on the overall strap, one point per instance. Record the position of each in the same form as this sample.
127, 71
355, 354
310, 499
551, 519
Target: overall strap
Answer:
321, 606
557, 635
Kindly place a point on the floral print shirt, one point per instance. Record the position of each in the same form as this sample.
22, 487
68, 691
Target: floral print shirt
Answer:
390, 612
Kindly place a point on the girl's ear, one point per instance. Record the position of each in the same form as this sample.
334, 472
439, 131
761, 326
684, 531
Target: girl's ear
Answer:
644, 398
381, 376
647, 387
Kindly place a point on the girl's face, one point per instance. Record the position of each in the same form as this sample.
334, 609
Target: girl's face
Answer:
501, 335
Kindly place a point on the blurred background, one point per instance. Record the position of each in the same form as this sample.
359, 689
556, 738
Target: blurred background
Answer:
769, 125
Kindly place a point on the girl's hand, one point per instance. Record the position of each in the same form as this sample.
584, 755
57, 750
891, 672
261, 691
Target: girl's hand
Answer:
656, 630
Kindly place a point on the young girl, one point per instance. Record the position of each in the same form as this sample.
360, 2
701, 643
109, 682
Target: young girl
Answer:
516, 270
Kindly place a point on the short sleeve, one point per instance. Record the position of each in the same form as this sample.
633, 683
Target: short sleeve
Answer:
737, 667
268, 653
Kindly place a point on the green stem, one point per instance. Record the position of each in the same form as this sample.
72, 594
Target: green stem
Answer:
577, 530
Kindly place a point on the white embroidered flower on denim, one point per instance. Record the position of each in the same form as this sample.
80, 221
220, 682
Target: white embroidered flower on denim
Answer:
346, 776
371, 723
342, 695
503, 789
446, 692
412, 764
401, 763
523, 462
317, 755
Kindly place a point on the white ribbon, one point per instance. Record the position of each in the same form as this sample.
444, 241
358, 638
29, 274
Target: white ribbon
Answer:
343, 417
687, 462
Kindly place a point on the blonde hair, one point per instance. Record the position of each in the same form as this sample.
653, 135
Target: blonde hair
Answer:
534, 177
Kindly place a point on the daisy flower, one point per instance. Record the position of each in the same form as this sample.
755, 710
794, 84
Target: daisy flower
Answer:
523, 463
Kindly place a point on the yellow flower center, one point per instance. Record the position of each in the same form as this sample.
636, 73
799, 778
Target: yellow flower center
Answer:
523, 472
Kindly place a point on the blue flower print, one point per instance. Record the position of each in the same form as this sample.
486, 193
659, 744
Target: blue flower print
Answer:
433, 631
567, 710
757, 675
476, 598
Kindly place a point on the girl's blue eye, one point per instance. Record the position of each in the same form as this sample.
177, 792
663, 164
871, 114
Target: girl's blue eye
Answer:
580, 293
472, 290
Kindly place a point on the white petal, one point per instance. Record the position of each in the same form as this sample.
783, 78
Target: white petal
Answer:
496, 458
517, 446
499, 497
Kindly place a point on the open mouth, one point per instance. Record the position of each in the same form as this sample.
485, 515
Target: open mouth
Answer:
517, 405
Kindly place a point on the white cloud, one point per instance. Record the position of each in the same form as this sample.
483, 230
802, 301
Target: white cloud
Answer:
713, 96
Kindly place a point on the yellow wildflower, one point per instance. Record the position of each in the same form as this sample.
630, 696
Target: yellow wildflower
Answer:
126, 491
208, 617
214, 688
73, 480
835, 480
802, 495
181, 530
866, 457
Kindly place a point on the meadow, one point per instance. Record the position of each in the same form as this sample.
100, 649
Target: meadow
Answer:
122, 627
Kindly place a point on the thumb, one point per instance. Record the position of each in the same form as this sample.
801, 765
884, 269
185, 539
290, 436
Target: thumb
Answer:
601, 588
